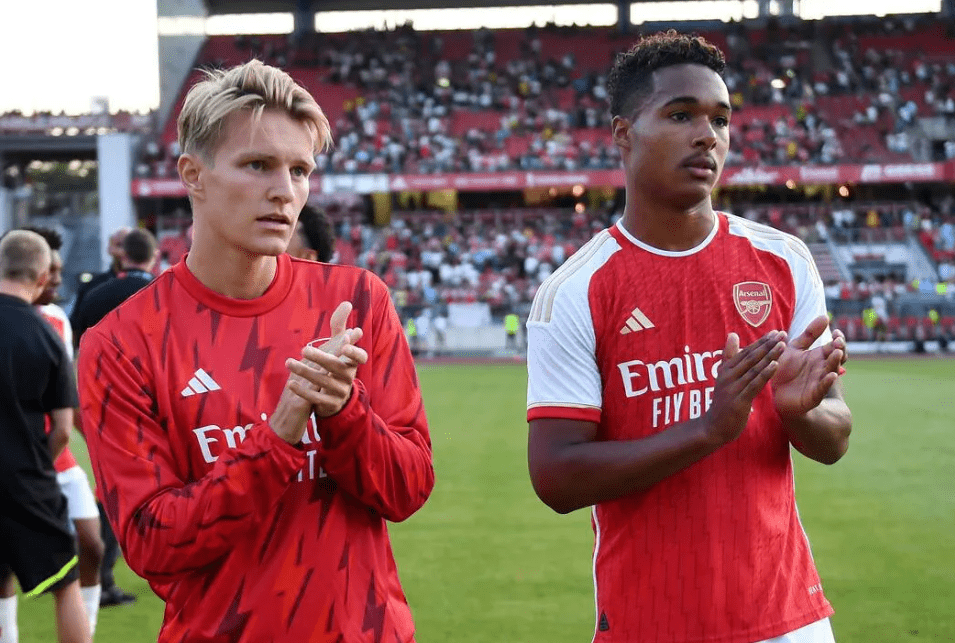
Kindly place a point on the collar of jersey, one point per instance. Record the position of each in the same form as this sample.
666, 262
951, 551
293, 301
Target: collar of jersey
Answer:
672, 253
272, 297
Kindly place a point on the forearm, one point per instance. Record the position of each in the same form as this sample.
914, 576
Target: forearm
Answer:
61, 421
387, 467
589, 472
822, 434
168, 528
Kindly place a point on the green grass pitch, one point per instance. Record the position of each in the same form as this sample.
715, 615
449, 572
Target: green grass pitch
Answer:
486, 561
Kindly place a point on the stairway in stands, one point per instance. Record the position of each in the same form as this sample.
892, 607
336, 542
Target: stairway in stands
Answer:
828, 268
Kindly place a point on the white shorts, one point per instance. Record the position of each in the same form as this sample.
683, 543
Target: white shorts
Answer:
818, 632
80, 502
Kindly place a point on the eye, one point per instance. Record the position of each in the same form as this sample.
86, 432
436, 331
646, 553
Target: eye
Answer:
300, 171
721, 121
680, 117
256, 165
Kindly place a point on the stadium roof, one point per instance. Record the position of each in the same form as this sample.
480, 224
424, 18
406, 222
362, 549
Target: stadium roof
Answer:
219, 7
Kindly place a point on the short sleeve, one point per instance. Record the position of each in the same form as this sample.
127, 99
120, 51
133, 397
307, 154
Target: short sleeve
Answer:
61, 389
563, 380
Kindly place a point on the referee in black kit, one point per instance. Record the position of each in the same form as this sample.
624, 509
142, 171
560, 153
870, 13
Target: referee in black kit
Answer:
36, 382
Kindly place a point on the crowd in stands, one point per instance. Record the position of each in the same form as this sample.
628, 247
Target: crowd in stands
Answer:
501, 256
404, 101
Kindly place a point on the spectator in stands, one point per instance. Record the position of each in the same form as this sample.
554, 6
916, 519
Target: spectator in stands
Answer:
426, 130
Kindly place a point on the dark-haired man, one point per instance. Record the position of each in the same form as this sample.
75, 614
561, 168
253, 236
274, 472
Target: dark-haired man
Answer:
669, 404
314, 237
139, 252
88, 281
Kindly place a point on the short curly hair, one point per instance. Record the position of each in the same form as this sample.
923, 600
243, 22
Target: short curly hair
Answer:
630, 81
319, 232
53, 238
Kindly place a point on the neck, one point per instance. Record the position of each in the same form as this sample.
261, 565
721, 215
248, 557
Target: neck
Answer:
145, 267
665, 226
17, 289
233, 272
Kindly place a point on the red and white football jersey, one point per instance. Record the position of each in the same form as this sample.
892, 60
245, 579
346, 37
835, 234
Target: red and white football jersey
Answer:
630, 337
56, 317
246, 537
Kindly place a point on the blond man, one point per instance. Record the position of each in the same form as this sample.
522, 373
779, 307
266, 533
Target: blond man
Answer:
254, 419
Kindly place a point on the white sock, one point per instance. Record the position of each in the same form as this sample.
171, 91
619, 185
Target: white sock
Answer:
91, 601
9, 633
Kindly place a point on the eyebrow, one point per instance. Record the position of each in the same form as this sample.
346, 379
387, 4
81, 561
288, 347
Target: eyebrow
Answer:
693, 101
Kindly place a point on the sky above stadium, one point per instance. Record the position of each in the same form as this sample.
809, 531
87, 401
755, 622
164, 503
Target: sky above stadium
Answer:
61, 55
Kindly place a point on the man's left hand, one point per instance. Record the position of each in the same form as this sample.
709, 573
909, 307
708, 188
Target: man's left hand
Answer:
805, 375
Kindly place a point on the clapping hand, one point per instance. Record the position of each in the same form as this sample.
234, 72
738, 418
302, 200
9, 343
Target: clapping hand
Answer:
743, 373
805, 375
326, 372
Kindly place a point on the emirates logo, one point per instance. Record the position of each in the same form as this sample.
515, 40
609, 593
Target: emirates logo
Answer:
753, 300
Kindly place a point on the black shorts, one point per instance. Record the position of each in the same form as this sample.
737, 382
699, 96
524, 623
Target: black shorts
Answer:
36, 544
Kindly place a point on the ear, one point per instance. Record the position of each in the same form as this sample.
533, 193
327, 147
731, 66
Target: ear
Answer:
41, 281
620, 132
190, 168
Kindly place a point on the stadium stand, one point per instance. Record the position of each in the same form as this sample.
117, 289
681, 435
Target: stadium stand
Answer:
416, 102
808, 97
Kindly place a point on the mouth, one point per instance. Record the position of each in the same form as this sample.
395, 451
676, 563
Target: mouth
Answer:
276, 219
703, 163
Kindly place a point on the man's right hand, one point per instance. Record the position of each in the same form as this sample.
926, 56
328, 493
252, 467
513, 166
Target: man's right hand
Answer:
314, 386
743, 373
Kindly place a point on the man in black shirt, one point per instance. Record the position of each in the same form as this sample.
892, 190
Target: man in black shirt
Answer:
139, 254
89, 281
36, 381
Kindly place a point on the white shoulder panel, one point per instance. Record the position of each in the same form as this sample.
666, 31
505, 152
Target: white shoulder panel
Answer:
561, 352
56, 312
810, 296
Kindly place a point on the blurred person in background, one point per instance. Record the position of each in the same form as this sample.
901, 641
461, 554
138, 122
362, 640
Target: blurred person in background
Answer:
139, 253
314, 237
80, 501
89, 281
36, 383
138, 256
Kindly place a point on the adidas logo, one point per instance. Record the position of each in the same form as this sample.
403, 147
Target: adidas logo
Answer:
200, 383
636, 321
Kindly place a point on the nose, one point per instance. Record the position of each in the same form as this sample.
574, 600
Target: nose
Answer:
281, 188
705, 136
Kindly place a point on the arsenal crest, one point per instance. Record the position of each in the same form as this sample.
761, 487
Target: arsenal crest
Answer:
753, 300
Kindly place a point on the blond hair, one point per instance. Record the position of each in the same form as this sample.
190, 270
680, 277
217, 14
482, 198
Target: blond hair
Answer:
24, 256
255, 86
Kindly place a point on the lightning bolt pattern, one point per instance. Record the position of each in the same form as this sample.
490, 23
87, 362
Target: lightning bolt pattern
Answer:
247, 538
